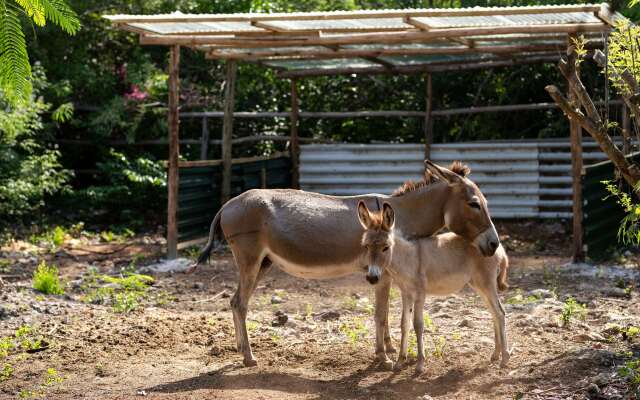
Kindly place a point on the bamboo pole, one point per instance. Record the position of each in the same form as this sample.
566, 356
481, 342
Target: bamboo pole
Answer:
174, 151
428, 118
294, 144
227, 130
576, 163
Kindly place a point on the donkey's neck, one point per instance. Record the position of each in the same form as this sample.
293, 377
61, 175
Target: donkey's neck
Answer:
420, 212
405, 262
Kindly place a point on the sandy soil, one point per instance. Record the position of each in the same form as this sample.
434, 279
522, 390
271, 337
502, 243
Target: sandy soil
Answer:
179, 344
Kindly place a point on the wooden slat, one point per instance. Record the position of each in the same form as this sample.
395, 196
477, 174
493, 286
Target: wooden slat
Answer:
368, 53
428, 118
294, 144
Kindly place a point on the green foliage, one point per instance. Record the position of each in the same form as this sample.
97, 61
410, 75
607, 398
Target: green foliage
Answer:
631, 372
125, 293
6, 372
629, 229
28, 338
46, 279
29, 172
15, 70
572, 309
624, 54
6, 345
354, 330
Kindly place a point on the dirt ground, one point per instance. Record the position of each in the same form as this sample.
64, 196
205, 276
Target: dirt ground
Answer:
179, 342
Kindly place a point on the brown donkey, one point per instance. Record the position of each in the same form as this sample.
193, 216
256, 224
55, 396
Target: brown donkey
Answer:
311, 235
438, 265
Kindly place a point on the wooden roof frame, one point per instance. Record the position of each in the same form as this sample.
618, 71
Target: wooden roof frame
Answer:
260, 38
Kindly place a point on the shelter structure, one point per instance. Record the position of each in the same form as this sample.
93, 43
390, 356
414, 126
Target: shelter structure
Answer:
407, 41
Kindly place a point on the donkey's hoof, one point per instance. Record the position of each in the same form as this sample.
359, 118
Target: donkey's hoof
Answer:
399, 364
495, 357
420, 367
250, 362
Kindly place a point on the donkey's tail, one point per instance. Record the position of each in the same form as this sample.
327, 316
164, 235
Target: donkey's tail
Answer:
502, 276
215, 232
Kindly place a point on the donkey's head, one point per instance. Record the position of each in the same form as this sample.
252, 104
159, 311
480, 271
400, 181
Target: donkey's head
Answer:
377, 239
466, 212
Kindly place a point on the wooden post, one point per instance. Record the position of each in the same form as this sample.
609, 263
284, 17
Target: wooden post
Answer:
227, 130
174, 151
626, 130
295, 145
428, 118
576, 168
204, 140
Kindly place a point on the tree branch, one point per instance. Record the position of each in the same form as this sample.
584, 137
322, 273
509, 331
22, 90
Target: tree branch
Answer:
630, 96
630, 172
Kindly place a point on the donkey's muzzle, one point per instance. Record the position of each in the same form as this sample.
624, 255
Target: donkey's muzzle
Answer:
373, 274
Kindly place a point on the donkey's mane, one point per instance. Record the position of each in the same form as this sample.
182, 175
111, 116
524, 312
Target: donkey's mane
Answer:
428, 178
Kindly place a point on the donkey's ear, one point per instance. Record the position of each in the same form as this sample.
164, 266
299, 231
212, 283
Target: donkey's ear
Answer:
442, 172
363, 215
388, 217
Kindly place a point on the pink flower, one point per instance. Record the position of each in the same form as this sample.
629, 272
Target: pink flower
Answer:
136, 94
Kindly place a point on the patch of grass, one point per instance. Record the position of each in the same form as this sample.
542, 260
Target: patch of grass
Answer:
631, 372
47, 280
52, 377
191, 252
5, 266
119, 236
439, 346
124, 293
308, 311
252, 326
520, 298
571, 310
6, 372
100, 370
354, 330
28, 338
52, 238
6, 345
429, 325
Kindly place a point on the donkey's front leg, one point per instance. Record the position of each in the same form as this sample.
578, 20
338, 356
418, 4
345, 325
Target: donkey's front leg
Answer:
405, 325
418, 327
382, 321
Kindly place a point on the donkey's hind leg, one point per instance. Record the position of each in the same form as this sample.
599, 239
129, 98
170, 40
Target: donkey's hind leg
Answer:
249, 259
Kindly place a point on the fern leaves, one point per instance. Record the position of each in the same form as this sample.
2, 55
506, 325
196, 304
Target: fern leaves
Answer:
58, 12
15, 70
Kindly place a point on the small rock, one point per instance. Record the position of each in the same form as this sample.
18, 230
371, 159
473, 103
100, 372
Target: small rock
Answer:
280, 320
141, 392
276, 299
198, 285
465, 323
593, 389
541, 293
614, 292
329, 316
425, 397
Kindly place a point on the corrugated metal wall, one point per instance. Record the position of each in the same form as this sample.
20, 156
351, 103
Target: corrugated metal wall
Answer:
521, 179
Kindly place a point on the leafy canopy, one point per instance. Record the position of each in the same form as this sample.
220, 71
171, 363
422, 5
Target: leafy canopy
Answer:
15, 70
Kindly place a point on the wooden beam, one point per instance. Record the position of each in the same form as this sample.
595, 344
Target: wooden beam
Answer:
416, 69
428, 118
294, 144
204, 139
339, 15
174, 152
576, 164
227, 130
284, 54
371, 38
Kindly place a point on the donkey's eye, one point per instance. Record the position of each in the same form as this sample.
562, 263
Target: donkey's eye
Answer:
385, 249
474, 204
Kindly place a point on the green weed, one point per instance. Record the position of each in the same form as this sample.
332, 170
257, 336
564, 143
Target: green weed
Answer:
5, 266
354, 331
6, 372
124, 293
6, 345
439, 346
394, 293
28, 338
52, 377
572, 309
53, 238
46, 279
631, 372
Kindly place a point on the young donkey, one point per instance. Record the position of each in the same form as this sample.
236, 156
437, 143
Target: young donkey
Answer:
438, 265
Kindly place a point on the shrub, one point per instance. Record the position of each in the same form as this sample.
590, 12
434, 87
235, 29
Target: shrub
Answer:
572, 309
46, 279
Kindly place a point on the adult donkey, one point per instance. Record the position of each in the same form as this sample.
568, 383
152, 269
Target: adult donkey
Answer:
311, 235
